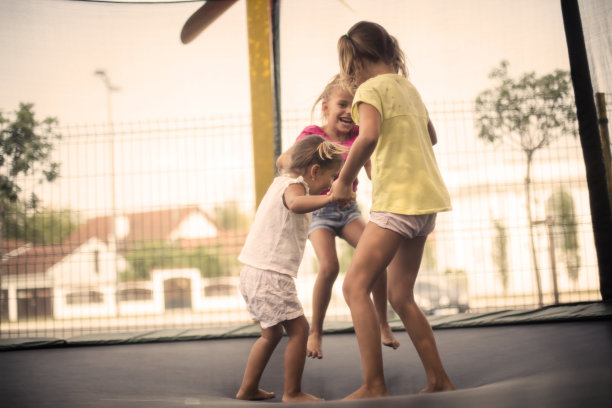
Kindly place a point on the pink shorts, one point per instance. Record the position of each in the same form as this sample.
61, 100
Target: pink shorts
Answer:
408, 226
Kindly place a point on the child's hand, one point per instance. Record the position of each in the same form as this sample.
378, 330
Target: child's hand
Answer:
342, 193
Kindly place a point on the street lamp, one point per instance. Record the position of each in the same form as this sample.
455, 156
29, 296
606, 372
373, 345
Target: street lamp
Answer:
109, 112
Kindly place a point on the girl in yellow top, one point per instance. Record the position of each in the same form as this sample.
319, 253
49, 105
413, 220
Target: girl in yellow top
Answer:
396, 135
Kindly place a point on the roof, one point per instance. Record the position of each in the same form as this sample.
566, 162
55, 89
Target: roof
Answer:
151, 225
33, 260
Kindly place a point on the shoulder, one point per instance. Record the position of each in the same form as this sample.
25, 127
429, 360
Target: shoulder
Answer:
284, 181
312, 130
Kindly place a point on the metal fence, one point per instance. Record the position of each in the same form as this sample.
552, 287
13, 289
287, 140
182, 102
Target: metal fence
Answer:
143, 228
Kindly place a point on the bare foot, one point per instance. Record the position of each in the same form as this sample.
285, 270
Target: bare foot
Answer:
313, 346
301, 397
364, 392
257, 395
444, 386
387, 338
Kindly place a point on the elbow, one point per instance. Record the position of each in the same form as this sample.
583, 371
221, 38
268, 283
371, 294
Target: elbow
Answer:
294, 207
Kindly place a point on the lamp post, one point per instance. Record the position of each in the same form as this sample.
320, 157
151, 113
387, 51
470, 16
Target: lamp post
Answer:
111, 130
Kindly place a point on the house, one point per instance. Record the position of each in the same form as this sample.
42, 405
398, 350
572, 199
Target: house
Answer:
80, 277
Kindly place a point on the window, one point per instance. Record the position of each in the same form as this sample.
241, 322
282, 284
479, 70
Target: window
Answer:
221, 289
135, 294
84, 297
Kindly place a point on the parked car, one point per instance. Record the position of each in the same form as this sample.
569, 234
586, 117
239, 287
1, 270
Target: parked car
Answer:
435, 297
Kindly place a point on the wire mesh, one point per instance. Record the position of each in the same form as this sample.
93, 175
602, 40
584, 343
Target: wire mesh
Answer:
143, 228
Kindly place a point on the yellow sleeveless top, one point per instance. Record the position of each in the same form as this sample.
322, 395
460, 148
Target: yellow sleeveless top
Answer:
405, 174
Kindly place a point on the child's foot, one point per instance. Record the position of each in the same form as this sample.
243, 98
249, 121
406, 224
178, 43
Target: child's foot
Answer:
444, 386
364, 392
301, 397
313, 346
256, 395
387, 338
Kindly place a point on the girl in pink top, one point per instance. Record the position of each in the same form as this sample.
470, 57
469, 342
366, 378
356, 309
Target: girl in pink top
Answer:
333, 220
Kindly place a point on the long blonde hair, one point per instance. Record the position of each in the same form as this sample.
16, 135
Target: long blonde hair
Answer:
367, 41
315, 149
332, 85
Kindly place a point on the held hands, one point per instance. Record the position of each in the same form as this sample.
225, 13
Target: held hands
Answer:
342, 193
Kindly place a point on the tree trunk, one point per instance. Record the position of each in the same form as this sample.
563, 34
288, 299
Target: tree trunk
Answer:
534, 257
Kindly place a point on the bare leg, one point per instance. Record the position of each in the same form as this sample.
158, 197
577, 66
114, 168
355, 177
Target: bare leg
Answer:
379, 294
295, 358
324, 244
351, 233
258, 359
403, 272
375, 250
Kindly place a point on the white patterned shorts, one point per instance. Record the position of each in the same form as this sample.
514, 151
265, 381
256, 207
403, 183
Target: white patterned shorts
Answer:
271, 297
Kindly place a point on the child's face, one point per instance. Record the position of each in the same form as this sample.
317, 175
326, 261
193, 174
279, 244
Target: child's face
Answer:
337, 111
323, 179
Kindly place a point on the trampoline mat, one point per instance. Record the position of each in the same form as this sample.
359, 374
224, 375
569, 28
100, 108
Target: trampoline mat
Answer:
562, 364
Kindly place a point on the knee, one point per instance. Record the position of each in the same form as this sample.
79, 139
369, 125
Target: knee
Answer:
298, 328
352, 292
273, 335
329, 269
399, 299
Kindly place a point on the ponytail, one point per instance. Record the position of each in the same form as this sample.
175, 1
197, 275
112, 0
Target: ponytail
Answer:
315, 149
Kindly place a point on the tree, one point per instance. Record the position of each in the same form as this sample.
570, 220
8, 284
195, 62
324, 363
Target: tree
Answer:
560, 209
25, 149
148, 255
500, 252
230, 217
528, 113
41, 227
26, 145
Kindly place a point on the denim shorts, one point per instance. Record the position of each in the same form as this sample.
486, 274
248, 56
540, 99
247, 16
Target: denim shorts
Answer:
334, 218
408, 226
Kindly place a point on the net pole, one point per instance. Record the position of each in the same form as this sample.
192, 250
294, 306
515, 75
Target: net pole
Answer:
601, 214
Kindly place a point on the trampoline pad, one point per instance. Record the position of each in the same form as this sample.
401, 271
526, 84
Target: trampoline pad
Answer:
563, 364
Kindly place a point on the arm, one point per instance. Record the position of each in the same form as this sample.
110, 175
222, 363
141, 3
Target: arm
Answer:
369, 131
432, 132
368, 169
297, 201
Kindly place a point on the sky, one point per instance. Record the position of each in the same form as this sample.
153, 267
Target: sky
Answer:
51, 49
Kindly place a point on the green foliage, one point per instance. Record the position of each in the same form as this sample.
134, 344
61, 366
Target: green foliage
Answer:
429, 260
25, 149
229, 216
345, 254
40, 227
150, 255
560, 207
500, 251
529, 112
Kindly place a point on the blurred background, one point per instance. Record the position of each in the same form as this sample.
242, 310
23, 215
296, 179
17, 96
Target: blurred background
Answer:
132, 206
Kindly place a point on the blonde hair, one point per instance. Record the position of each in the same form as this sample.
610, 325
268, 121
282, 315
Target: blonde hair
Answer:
335, 83
367, 41
315, 149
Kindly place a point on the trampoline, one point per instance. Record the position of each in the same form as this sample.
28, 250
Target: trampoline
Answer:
553, 357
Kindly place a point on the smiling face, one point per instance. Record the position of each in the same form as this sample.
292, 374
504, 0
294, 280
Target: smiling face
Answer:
337, 111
